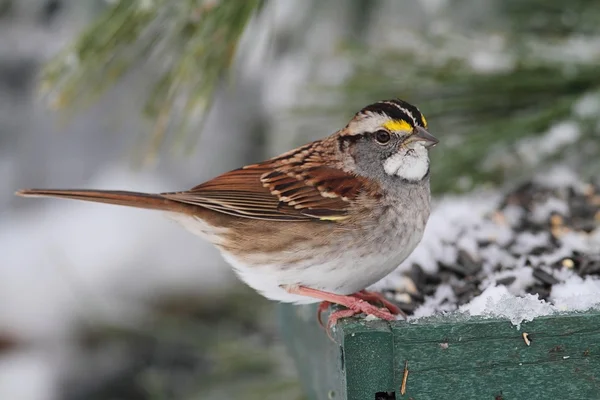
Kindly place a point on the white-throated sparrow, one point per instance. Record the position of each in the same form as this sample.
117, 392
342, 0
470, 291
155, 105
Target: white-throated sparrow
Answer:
319, 223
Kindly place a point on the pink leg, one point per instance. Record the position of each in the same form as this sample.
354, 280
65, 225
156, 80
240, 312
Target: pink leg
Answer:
378, 297
352, 303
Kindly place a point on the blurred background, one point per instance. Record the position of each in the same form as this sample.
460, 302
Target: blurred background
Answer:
101, 302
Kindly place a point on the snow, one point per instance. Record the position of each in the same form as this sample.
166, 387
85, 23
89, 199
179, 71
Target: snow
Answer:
28, 375
513, 214
542, 211
486, 61
511, 303
405, 285
494, 256
527, 241
513, 259
559, 177
468, 244
533, 149
523, 278
491, 231
588, 106
441, 301
576, 294
497, 302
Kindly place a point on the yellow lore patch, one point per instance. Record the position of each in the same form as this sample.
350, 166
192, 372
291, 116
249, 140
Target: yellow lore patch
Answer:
397, 125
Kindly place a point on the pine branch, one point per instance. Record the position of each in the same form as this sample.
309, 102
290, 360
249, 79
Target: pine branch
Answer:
191, 42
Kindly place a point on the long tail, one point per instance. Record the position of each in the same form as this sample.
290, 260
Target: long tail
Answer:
121, 198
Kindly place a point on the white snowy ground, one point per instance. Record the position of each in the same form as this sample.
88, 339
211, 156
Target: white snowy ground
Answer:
463, 217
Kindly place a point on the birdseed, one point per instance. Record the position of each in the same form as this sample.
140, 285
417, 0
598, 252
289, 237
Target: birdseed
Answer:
536, 237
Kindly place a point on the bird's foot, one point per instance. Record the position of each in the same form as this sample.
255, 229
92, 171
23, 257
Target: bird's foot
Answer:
356, 304
374, 297
388, 312
356, 307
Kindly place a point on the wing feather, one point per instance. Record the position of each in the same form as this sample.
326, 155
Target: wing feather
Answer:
300, 185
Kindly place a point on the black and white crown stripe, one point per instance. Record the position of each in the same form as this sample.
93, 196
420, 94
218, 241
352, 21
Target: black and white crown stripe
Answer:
398, 110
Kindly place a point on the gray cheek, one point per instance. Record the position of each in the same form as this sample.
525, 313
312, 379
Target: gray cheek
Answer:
369, 158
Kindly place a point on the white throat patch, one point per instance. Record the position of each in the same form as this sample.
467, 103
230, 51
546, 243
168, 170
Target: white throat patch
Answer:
410, 164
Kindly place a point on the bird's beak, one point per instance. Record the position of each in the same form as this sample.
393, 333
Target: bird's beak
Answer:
421, 135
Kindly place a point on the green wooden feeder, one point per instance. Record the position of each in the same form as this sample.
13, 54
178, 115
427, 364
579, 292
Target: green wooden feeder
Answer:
552, 357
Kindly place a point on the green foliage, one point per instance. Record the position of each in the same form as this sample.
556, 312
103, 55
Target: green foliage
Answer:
191, 43
550, 18
477, 111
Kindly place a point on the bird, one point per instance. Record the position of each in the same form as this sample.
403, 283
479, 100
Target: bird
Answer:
319, 223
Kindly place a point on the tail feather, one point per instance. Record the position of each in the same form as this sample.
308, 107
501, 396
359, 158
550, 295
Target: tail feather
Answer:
117, 197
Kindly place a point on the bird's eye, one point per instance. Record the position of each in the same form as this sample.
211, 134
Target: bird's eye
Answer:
382, 136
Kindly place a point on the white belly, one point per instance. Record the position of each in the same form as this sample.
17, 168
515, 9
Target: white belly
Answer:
344, 270
345, 273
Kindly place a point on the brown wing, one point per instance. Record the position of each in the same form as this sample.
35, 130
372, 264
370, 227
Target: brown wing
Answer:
295, 186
